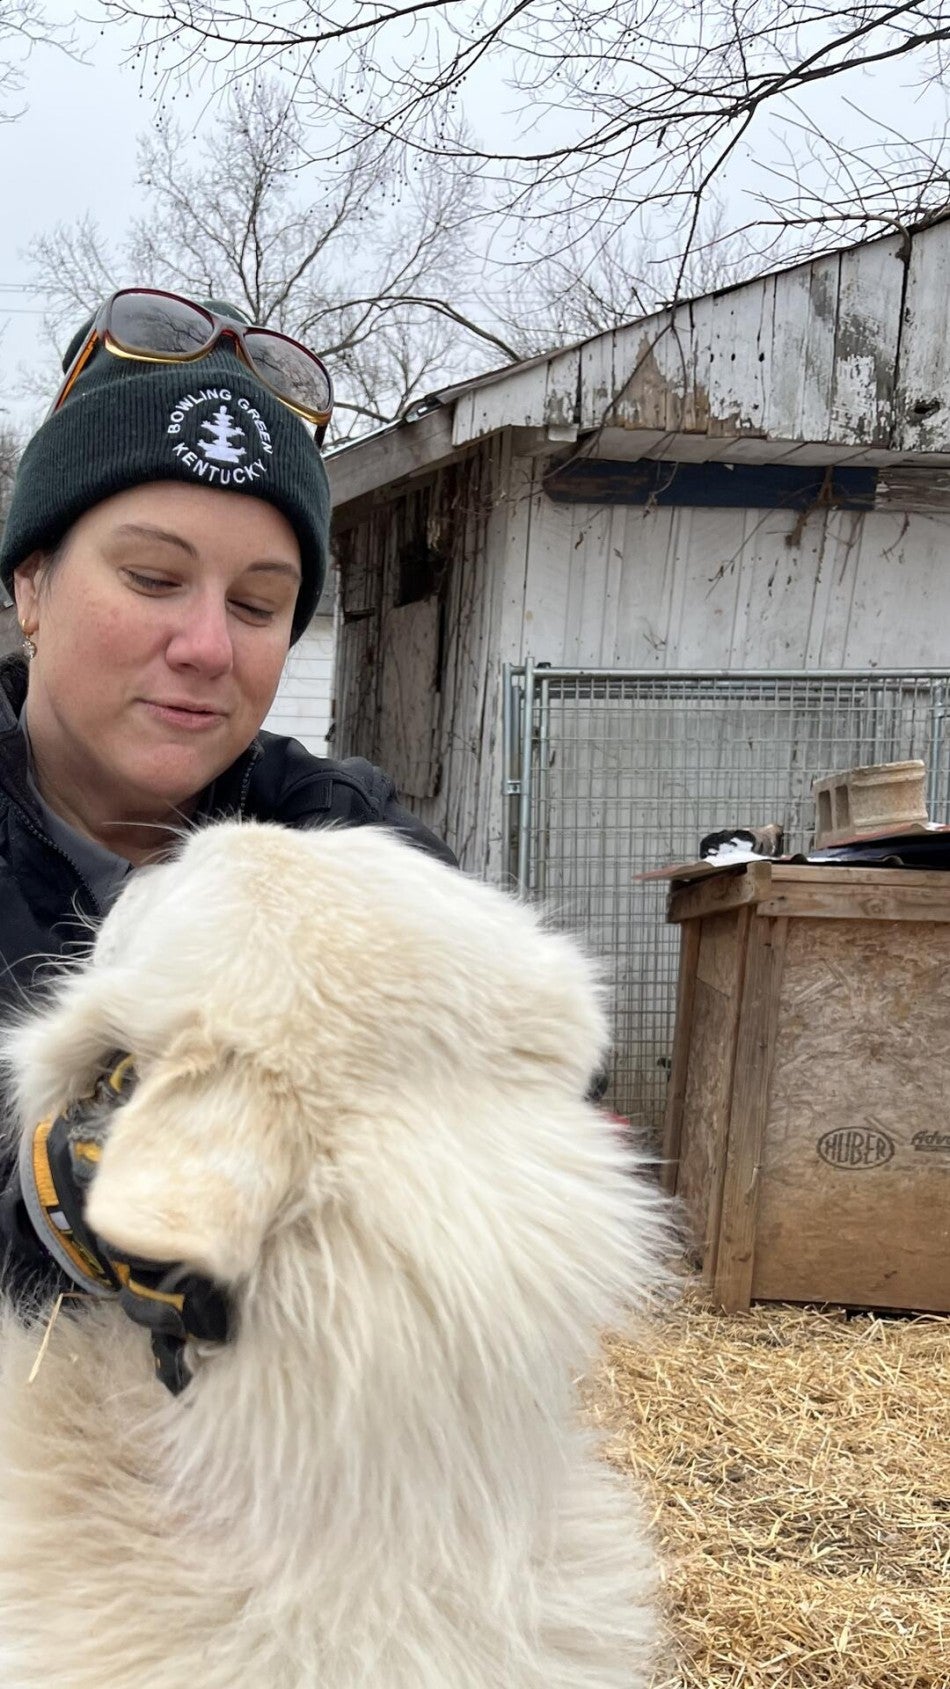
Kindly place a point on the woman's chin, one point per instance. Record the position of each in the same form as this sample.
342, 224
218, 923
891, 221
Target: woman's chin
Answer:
175, 778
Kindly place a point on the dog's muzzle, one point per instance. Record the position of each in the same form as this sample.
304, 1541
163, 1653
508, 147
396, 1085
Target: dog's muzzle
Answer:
58, 1162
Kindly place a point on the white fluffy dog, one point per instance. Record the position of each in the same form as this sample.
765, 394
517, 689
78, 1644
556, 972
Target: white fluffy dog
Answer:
359, 1105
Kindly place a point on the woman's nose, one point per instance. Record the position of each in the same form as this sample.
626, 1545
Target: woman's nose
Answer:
202, 640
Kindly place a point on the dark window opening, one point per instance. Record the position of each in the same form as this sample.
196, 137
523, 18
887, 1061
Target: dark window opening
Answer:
420, 570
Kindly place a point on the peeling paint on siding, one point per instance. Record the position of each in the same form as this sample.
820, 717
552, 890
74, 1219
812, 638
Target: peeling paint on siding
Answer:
810, 354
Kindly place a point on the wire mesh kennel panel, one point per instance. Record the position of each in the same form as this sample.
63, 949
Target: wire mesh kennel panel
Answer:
608, 774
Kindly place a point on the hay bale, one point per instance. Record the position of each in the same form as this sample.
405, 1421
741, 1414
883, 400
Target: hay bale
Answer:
800, 1465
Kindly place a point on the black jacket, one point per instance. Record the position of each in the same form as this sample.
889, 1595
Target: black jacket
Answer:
45, 904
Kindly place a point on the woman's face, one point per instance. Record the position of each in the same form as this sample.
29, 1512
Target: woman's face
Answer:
160, 636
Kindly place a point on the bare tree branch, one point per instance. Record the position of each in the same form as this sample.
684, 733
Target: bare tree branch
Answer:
625, 106
358, 264
24, 25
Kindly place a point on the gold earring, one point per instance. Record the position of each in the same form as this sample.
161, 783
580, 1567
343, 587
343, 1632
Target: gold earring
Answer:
29, 645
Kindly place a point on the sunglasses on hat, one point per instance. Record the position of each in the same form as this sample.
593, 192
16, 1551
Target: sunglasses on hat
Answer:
163, 328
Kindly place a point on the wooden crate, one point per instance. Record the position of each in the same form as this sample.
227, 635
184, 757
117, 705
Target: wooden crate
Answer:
808, 1123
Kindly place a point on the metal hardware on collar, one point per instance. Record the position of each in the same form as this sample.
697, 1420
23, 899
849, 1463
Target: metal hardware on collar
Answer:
174, 1306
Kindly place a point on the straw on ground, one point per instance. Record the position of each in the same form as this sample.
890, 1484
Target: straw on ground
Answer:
799, 1463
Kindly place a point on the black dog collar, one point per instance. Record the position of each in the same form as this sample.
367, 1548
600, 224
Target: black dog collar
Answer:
58, 1162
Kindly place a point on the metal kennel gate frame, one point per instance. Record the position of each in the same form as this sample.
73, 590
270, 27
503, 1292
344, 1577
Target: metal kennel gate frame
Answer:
610, 772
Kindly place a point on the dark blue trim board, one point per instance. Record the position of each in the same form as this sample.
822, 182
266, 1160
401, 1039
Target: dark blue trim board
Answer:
757, 486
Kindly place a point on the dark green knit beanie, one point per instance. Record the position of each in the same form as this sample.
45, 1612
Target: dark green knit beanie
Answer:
209, 423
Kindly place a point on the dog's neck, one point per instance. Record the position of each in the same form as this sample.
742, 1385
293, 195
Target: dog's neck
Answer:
327, 1437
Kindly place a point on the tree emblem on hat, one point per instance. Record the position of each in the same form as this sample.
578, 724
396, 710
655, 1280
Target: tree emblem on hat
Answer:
223, 429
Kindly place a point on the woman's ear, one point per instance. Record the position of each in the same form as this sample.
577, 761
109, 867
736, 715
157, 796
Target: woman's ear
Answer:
27, 585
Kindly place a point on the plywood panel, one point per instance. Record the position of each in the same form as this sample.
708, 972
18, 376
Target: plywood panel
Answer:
678, 588
696, 347
551, 564
854, 1191
517, 399
598, 378
885, 592
649, 370
589, 561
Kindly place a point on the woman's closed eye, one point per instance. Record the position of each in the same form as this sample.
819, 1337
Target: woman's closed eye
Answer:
156, 584
149, 583
258, 611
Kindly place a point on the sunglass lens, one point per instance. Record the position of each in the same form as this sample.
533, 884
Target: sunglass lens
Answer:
158, 322
291, 370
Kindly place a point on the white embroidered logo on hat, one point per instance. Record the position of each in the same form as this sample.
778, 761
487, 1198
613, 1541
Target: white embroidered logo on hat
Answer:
219, 459
223, 430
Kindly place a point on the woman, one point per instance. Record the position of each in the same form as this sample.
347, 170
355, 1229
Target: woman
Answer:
166, 545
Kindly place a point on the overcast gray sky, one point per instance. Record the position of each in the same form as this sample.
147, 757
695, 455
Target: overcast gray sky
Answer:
72, 151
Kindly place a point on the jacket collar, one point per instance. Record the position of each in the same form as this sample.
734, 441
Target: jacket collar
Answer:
13, 673
14, 762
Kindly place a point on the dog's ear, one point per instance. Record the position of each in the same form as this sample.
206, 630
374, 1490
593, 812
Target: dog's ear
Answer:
197, 1165
553, 1011
56, 1054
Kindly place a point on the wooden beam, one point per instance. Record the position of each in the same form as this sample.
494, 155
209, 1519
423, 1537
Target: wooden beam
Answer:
755, 1049
729, 889
676, 1095
855, 903
729, 1056
409, 448
815, 873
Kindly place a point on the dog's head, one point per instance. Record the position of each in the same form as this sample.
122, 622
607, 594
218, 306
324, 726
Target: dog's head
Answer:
317, 1018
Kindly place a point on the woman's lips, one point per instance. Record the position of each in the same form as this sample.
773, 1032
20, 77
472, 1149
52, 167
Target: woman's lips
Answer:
193, 719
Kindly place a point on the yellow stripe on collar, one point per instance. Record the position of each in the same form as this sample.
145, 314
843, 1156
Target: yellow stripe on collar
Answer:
86, 1264
120, 1073
174, 1299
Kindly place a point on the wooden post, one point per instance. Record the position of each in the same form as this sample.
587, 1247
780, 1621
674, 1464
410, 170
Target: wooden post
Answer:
755, 1045
745, 920
676, 1095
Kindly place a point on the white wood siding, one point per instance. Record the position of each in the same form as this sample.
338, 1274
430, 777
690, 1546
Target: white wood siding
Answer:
460, 704
623, 586
301, 709
590, 586
851, 350
719, 589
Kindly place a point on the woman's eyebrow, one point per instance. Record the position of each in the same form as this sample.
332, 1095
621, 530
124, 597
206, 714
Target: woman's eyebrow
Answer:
277, 568
145, 531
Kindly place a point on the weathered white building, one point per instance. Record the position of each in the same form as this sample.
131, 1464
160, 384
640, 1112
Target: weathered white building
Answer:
303, 705
516, 516
755, 483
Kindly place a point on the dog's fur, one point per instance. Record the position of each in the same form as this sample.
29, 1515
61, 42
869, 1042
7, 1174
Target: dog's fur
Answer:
359, 1105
